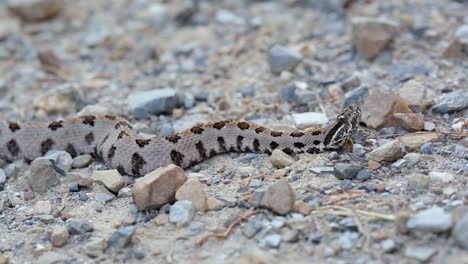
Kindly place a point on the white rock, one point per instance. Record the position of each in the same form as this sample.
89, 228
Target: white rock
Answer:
440, 177
109, 178
309, 119
181, 213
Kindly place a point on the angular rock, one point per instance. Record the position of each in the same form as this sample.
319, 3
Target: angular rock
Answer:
213, 204
309, 119
302, 207
78, 228
279, 159
59, 236
41, 175
380, 107
459, 232
273, 241
279, 197
414, 142
42, 208
281, 59
121, 237
30, 10
410, 121
356, 96
455, 101
417, 181
346, 171
434, 219
389, 151
371, 35
416, 95
192, 190
154, 102
181, 213
109, 178
159, 187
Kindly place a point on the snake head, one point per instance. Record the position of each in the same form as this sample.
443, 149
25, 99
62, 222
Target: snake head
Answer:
343, 128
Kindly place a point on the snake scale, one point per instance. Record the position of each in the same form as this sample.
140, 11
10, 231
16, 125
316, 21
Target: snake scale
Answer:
113, 139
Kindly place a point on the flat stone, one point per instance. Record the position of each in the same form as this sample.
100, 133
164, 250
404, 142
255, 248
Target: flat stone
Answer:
103, 197
417, 181
434, 219
416, 95
455, 101
281, 58
420, 253
380, 107
440, 177
389, 151
279, 197
346, 171
279, 159
159, 187
410, 121
41, 175
213, 204
192, 190
145, 103
181, 213
309, 119
59, 236
42, 208
109, 178
371, 35
121, 237
31, 10
429, 126
414, 142
459, 232
251, 228
82, 161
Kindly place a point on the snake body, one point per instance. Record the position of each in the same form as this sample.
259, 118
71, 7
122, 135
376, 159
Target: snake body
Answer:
117, 143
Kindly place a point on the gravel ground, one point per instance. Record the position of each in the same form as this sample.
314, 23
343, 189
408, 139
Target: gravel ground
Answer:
168, 65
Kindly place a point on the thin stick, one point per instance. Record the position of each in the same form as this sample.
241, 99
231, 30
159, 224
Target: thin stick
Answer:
230, 228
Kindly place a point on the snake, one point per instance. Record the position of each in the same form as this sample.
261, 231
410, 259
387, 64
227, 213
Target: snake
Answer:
113, 139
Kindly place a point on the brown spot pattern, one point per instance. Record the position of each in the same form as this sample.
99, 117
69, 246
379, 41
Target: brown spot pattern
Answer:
213, 152
13, 147
88, 120
121, 170
197, 130
89, 138
122, 124
142, 142
173, 139
201, 149
316, 132
110, 117
296, 134
259, 130
276, 133
13, 126
288, 150
46, 145
313, 150
177, 157
220, 124
137, 163
122, 134
316, 142
243, 125
55, 125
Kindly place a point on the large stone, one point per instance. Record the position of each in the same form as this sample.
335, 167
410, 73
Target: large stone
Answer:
371, 35
416, 95
434, 219
279, 197
281, 59
279, 159
154, 102
389, 151
109, 178
159, 187
31, 10
309, 119
410, 121
41, 175
414, 142
192, 190
455, 101
379, 108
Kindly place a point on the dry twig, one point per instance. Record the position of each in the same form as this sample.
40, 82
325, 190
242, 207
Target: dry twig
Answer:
464, 134
230, 228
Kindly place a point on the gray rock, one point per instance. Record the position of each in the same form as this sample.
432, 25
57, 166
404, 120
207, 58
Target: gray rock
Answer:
456, 101
346, 240
103, 197
351, 83
356, 96
399, 163
46, 219
459, 232
250, 228
255, 183
181, 213
279, 159
412, 159
420, 253
41, 175
427, 148
388, 245
3, 179
78, 228
273, 241
11, 171
61, 159
121, 237
283, 59
153, 102
346, 171
82, 161
125, 192
434, 219
417, 181
416, 95
402, 72
364, 175
359, 150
